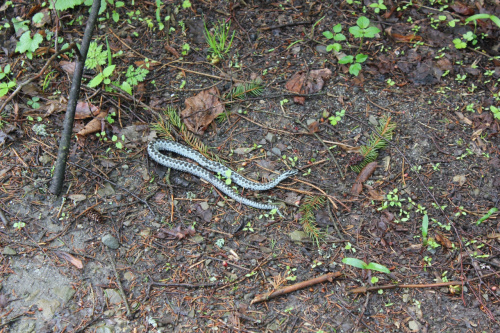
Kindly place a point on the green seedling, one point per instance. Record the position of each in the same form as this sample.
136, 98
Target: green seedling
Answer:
361, 264
425, 229
487, 216
493, 109
336, 36
334, 120
476, 17
378, 6
220, 41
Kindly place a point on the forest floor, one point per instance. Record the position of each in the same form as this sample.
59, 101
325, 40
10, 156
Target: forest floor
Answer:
130, 246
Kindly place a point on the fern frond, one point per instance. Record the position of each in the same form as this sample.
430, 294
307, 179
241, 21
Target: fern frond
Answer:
308, 219
249, 89
385, 131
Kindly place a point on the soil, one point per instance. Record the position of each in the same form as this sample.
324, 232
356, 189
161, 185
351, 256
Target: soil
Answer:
129, 246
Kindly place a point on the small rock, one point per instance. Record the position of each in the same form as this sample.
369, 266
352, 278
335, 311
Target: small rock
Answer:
113, 296
298, 235
204, 205
64, 292
321, 49
48, 307
270, 137
8, 251
145, 232
110, 241
310, 121
373, 120
276, 151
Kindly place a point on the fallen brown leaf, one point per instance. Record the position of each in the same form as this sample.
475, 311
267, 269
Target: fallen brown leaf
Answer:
307, 83
173, 51
69, 258
85, 110
363, 177
177, 232
462, 8
201, 110
444, 241
95, 125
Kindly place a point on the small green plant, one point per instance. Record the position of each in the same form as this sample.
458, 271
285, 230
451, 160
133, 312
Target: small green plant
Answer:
390, 83
289, 273
427, 262
435, 167
186, 4
493, 109
118, 144
334, 120
33, 102
361, 30
220, 242
361, 264
487, 216
19, 225
459, 44
476, 17
95, 56
248, 227
348, 247
460, 211
378, 6
6, 86
308, 219
185, 49
376, 142
103, 77
28, 45
355, 62
425, 229
220, 40
336, 36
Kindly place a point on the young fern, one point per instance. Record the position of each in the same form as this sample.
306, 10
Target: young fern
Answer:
244, 90
369, 152
308, 219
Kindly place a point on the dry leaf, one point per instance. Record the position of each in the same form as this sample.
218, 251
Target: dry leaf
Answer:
173, 51
95, 125
307, 82
444, 241
363, 177
68, 67
178, 233
462, 8
460, 179
313, 127
85, 110
69, 258
201, 110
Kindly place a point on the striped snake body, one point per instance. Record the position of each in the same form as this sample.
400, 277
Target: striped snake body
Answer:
154, 148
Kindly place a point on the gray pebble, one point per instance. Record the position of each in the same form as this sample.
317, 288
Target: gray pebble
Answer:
110, 241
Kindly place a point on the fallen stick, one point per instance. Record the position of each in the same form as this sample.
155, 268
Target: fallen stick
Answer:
301, 285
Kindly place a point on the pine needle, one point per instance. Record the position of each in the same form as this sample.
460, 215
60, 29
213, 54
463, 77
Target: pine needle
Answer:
308, 219
369, 152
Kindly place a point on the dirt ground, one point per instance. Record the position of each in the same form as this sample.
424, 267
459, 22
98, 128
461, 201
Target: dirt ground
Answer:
130, 246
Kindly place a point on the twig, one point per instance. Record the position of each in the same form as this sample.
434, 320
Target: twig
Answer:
284, 25
118, 282
4, 218
301, 285
361, 290
65, 143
